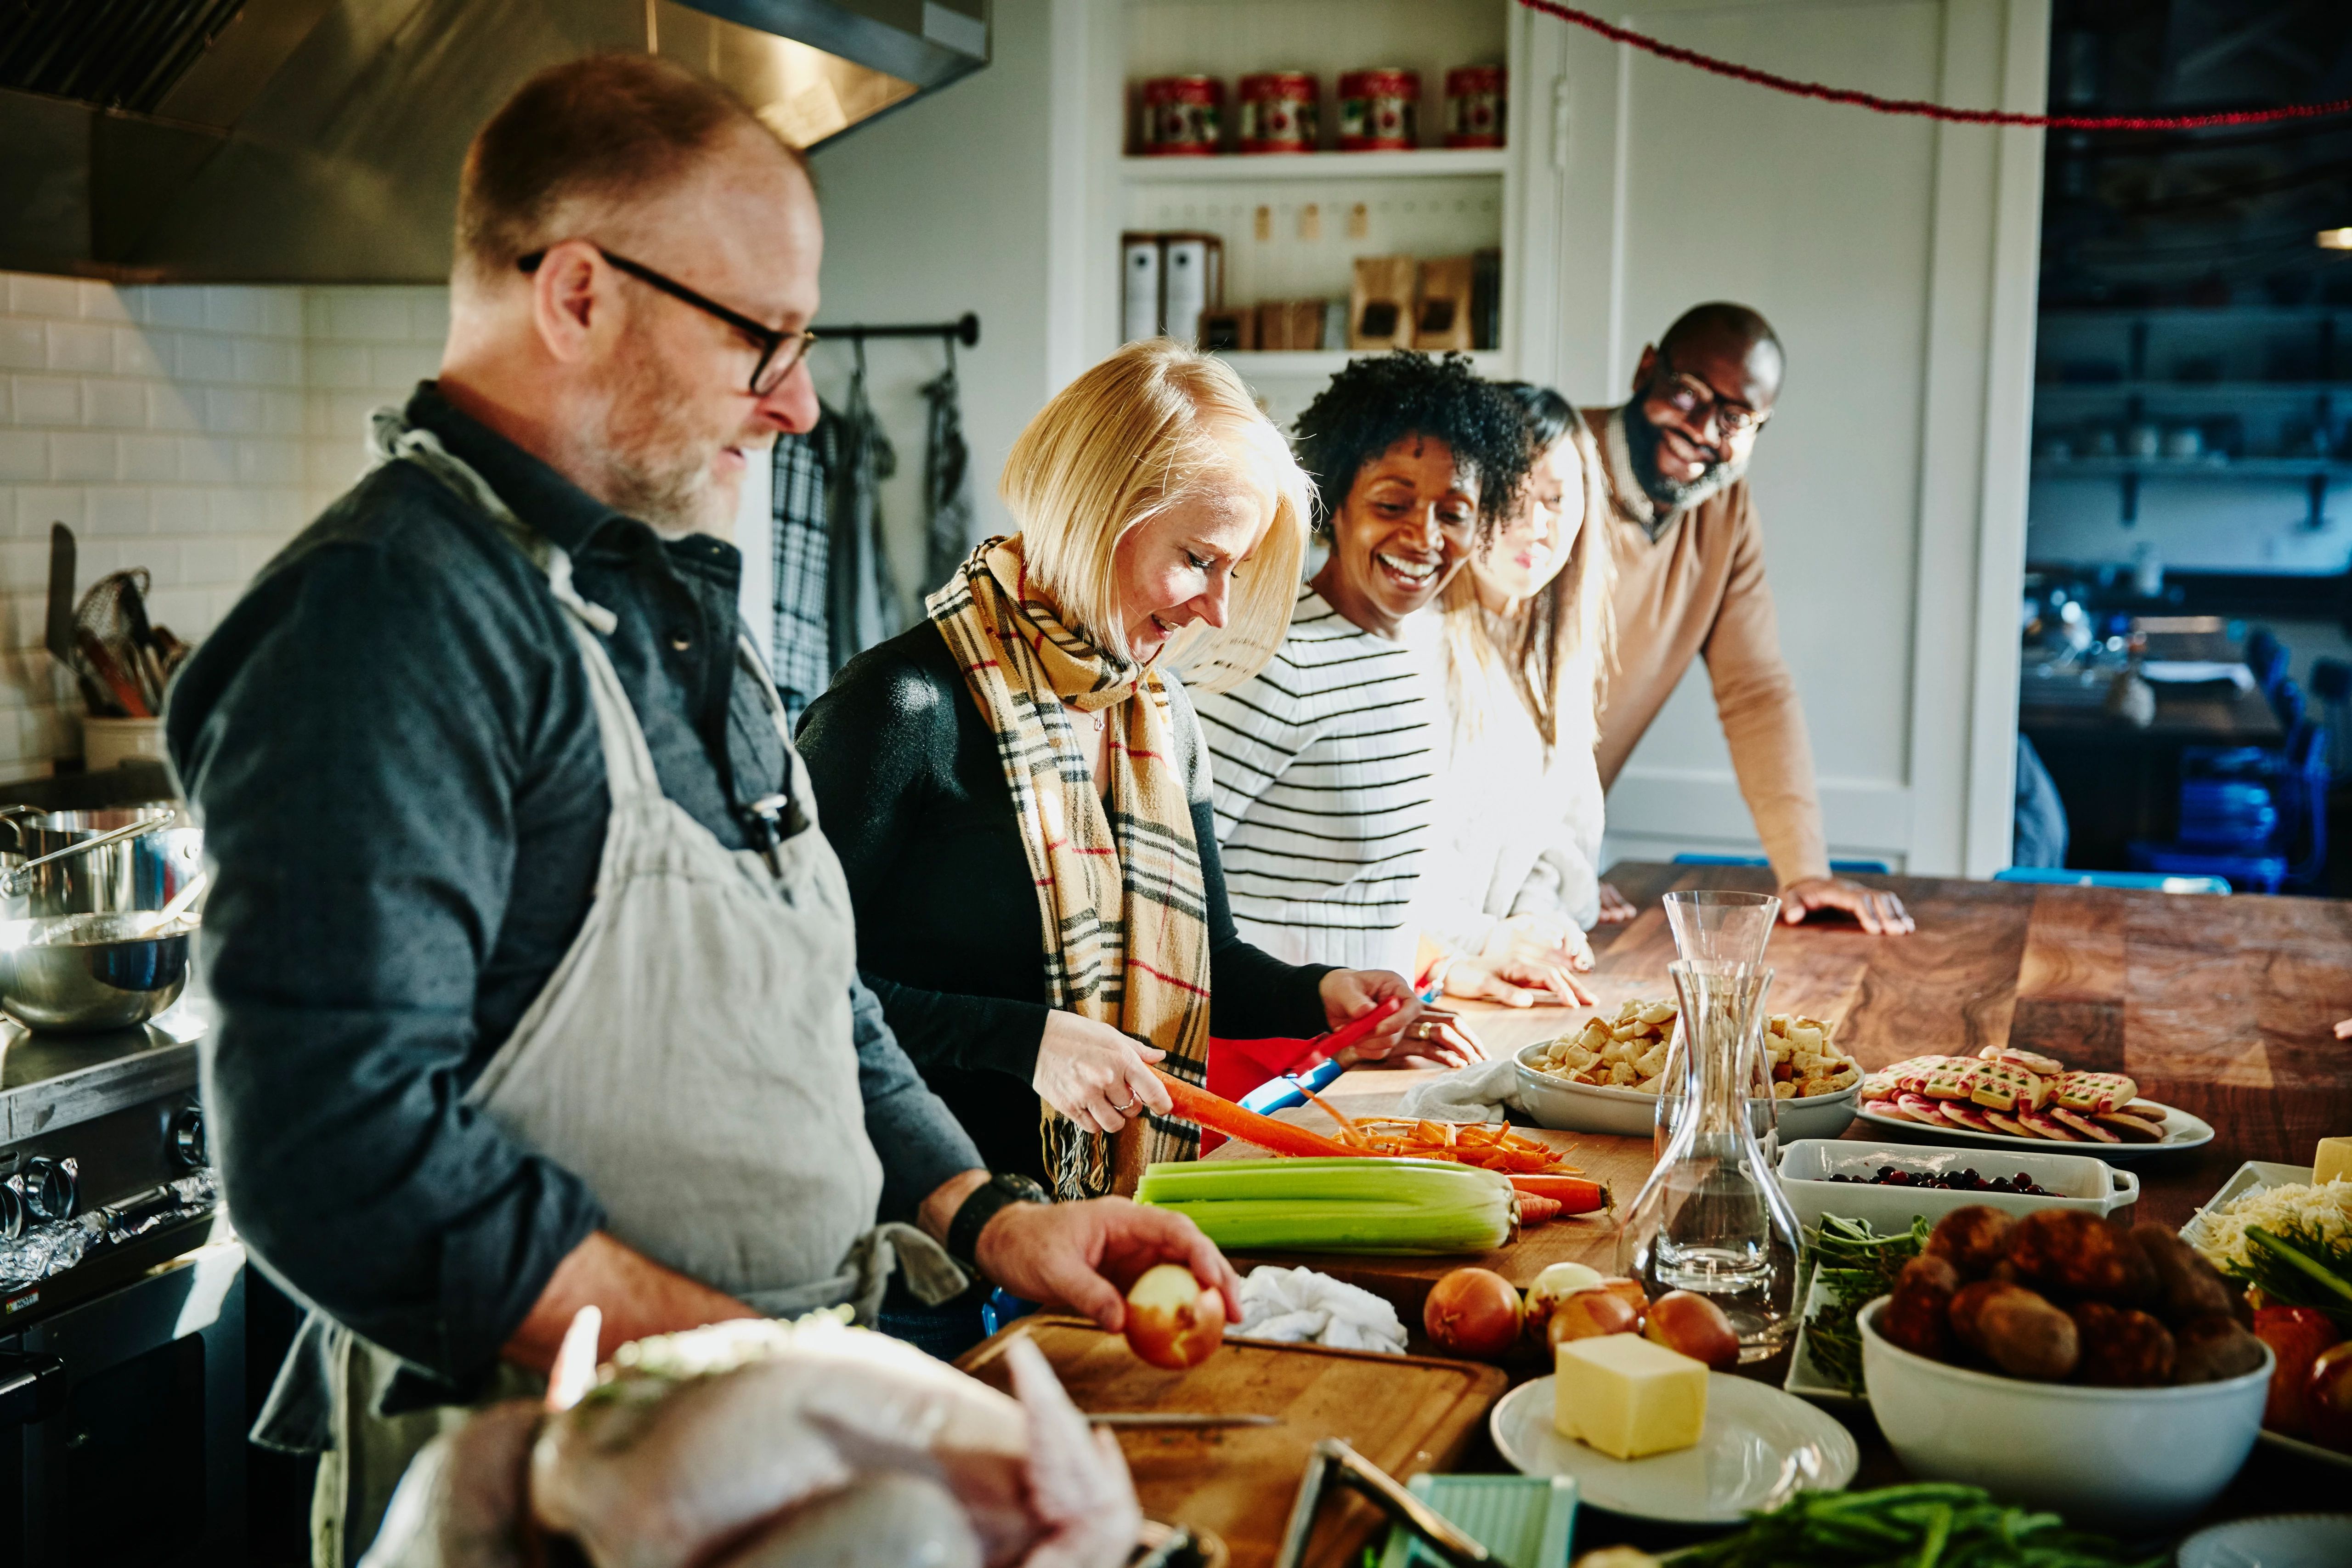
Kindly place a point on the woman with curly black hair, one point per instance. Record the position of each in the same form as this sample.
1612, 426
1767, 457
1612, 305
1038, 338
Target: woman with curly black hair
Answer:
1323, 763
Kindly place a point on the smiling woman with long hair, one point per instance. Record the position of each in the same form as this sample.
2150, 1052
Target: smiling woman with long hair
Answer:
1524, 640
1019, 793
1323, 762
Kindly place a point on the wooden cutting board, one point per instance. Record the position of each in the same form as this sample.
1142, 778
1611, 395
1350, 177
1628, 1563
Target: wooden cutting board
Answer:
1406, 1414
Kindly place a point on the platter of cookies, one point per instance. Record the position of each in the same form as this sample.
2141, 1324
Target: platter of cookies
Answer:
2007, 1098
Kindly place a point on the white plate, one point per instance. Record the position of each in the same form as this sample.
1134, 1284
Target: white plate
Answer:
1760, 1447
2249, 1178
1806, 1380
2181, 1130
2279, 1541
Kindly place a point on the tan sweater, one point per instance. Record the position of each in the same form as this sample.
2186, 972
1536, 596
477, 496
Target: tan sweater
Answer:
1698, 589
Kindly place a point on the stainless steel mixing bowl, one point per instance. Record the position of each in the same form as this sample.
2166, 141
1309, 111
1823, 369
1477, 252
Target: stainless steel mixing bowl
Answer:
79, 974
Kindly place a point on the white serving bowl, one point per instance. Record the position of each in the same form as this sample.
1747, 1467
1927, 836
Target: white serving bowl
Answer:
2131, 1460
1817, 1115
1554, 1102
2080, 1181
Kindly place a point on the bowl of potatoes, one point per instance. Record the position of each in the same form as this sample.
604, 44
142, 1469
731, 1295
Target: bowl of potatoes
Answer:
1607, 1075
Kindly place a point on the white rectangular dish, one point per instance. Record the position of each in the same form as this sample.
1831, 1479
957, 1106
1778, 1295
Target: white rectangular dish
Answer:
2079, 1181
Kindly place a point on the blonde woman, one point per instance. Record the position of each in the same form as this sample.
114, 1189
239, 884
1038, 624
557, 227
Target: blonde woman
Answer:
1512, 882
1019, 793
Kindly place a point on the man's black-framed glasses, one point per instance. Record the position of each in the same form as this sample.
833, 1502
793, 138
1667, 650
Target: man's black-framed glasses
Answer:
779, 352
1698, 401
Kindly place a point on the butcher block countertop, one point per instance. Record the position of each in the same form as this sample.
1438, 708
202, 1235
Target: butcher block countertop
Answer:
2223, 1006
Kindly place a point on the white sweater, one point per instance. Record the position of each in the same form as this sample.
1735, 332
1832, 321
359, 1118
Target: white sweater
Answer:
1519, 830
1324, 783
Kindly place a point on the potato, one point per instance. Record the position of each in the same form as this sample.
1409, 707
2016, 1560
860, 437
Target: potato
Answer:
1968, 1302
2025, 1336
2208, 1349
2080, 1254
2122, 1347
1974, 1238
1917, 1317
2187, 1287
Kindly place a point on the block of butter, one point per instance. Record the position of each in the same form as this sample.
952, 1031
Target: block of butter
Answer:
2333, 1158
1628, 1396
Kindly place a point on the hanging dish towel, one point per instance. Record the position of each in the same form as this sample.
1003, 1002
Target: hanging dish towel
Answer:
861, 594
801, 507
947, 481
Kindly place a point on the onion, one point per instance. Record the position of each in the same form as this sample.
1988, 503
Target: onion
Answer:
1556, 1284
1473, 1312
1172, 1321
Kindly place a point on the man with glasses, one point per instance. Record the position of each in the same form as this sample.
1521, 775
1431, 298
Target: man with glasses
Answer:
535, 978
1690, 582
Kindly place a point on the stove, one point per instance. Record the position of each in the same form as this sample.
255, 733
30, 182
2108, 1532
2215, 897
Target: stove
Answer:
122, 1396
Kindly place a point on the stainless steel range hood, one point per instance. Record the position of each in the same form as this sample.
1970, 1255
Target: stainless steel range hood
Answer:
319, 140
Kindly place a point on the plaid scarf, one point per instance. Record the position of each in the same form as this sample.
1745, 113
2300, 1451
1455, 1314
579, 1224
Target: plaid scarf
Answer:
1120, 895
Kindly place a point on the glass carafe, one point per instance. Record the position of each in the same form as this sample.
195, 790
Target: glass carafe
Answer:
1712, 1218
1755, 1071
1722, 932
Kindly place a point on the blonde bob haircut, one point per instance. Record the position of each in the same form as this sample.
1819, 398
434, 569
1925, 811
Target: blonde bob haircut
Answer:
1138, 434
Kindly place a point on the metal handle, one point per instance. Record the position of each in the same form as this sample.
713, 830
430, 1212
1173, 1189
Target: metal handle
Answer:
21, 877
1362, 1475
32, 1388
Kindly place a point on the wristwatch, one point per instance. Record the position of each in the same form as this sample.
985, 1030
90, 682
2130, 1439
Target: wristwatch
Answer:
1001, 1191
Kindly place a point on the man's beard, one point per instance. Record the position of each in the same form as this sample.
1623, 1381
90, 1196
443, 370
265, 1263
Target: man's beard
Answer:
653, 464
1671, 495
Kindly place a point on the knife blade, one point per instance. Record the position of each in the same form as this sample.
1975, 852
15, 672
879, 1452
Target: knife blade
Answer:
1178, 1419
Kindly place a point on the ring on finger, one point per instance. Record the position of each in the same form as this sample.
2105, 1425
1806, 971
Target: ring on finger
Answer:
1127, 1110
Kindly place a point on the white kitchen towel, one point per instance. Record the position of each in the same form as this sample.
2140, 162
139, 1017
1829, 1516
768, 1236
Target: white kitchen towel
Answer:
1299, 1306
1481, 1093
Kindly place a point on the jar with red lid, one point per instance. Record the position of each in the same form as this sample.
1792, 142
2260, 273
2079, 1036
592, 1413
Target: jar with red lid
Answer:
1278, 112
1379, 110
1182, 115
1474, 104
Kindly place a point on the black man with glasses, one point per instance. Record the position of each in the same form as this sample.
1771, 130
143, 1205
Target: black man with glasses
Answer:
1690, 585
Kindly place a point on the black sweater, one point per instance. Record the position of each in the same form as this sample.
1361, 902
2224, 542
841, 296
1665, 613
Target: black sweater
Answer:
911, 792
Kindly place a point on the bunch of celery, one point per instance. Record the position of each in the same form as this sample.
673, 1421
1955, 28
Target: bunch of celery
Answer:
1330, 1204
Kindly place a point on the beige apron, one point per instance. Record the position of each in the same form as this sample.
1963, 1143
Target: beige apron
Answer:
690, 1058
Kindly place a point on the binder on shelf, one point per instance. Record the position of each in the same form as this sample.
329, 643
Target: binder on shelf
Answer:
1442, 317
1139, 287
1487, 300
1192, 271
1380, 305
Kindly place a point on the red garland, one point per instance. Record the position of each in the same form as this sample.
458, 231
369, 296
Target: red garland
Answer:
1674, 52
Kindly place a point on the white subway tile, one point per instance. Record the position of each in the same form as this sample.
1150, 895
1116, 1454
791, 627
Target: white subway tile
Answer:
404, 366
211, 562
29, 295
101, 301
136, 352
367, 315
232, 309
266, 462
173, 408
200, 356
428, 316
79, 456
179, 508
151, 460
47, 399
80, 345
281, 312
37, 506
24, 563
23, 345
114, 405
204, 461
232, 411
337, 365
268, 362
24, 458
119, 511
187, 611
317, 326
174, 305
163, 561
282, 412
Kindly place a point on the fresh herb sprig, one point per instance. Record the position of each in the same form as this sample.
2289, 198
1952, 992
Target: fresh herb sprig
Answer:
1928, 1525
1854, 1266
2294, 1266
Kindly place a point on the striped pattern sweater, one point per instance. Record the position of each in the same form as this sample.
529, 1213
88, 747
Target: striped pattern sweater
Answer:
1323, 776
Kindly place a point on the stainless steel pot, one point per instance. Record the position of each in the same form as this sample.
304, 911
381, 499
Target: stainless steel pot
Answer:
84, 973
126, 872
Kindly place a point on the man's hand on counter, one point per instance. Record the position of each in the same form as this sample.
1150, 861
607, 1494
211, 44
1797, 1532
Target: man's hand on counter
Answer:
1084, 1255
1615, 908
1878, 912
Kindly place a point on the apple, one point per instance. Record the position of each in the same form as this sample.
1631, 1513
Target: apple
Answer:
1589, 1313
1173, 1319
1686, 1321
2328, 1397
2296, 1335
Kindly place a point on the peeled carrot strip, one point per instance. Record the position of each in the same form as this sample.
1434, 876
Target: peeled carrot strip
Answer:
1576, 1195
1535, 1208
1222, 1115
1348, 1130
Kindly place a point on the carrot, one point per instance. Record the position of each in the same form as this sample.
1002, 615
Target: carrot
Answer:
1534, 1209
1576, 1195
1222, 1115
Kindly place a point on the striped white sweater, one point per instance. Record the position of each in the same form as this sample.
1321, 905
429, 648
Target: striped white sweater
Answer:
1322, 770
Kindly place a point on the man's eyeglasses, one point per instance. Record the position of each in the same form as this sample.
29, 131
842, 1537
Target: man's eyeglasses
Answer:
779, 352
1698, 401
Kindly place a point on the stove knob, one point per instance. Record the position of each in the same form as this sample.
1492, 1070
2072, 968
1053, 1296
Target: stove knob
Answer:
188, 1144
51, 1186
12, 1208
